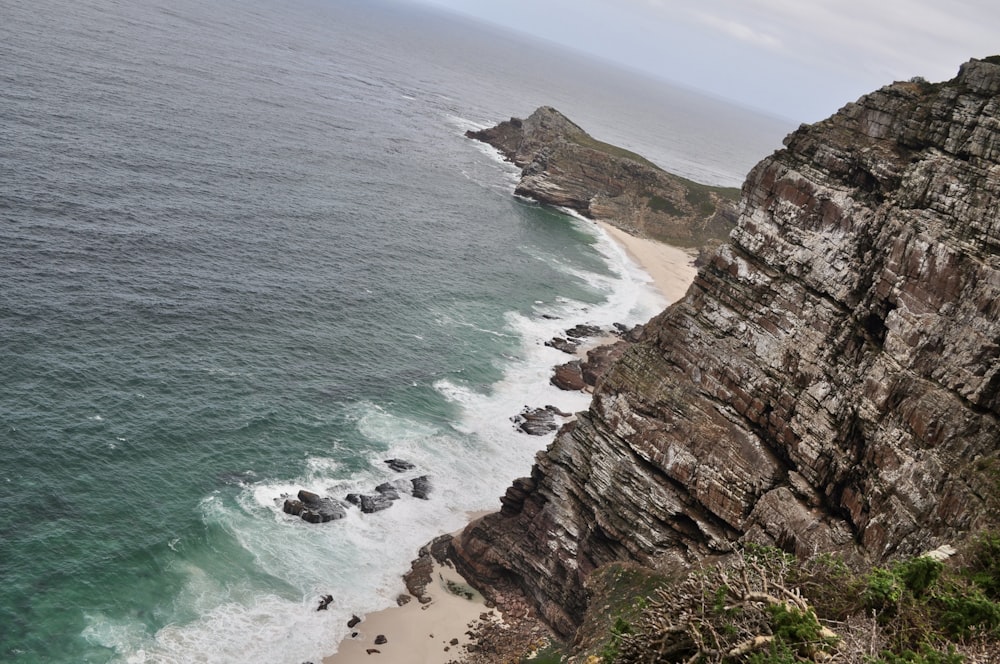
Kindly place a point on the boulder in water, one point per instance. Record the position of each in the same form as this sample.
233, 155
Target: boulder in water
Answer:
399, 465
374, 503
421, 487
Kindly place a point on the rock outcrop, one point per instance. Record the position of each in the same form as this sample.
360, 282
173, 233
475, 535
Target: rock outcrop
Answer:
564, 166
831, 380
314, 508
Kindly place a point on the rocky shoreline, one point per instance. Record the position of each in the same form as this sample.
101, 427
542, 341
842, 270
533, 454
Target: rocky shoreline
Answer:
508, 625
830, 382
563, 166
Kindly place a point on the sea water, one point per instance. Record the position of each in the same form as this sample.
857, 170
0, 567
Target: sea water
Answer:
246, 249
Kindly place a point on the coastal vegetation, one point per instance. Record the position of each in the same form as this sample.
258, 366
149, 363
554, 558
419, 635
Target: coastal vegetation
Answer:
763, 606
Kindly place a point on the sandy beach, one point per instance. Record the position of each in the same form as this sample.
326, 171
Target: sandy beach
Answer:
435, 632
415, 633
672, 269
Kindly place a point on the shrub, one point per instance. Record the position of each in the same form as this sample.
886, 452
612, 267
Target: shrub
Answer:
984, 564
884, 590
926, 655
919, 574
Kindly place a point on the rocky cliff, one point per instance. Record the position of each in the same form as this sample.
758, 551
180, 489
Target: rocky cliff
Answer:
831, 381
564, 166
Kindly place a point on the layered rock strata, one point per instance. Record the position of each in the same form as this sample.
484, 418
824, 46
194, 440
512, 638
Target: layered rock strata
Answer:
564, 166
831, 380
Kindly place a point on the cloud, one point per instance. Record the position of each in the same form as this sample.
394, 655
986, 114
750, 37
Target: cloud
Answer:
740, 31
888, 37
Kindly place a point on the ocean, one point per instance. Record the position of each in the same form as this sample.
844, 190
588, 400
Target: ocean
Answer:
245, 249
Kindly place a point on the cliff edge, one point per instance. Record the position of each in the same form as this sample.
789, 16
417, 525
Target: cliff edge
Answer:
562, 165
831, 380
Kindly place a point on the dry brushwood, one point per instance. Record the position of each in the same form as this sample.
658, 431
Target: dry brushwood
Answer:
725, 613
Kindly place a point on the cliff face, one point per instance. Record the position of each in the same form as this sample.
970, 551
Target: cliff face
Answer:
831, 381
564, 166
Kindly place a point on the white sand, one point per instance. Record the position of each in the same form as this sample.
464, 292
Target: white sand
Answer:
672, 269
417, 633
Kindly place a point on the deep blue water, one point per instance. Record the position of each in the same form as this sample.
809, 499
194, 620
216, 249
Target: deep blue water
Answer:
245, 249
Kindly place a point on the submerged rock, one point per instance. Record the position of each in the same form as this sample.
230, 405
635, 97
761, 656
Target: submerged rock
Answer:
399, 465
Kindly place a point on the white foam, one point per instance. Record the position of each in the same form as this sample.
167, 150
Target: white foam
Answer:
359, 559
509, 173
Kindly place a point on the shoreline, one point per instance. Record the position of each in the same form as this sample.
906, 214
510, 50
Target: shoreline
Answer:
434, 632
671, 269
438, 631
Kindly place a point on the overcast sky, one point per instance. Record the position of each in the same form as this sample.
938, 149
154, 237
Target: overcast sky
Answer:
798, 59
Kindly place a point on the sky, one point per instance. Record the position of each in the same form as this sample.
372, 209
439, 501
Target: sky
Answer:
795, 59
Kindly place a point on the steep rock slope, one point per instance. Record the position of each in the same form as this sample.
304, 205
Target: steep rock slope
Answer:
831, 381
564, 166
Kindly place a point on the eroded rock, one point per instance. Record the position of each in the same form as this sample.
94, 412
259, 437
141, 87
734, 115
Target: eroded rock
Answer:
538, 421
831, 380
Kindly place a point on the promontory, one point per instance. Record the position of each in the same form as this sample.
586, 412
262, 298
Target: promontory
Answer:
563, 166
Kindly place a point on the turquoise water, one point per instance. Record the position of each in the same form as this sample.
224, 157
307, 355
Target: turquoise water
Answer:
246, 249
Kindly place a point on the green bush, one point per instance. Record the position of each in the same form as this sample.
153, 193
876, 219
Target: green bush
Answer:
984, 564
919, 574
883, 591
966, 611
660, 204
926, 655
777, 653
551, 654
610, 651
793, 626
926, 611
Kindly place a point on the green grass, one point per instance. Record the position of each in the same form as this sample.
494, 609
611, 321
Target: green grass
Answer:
661, 204
698, 193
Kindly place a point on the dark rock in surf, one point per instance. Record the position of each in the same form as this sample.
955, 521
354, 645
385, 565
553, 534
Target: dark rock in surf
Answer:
388, 490
421, 487
313, 508
374, 503
538, 421
399, 465
584, 331
565, 345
